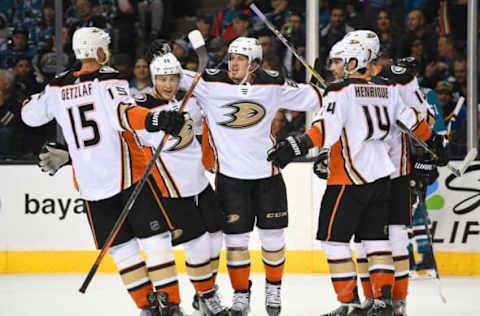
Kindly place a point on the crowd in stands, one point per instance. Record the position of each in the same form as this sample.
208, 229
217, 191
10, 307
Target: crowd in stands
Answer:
432, 31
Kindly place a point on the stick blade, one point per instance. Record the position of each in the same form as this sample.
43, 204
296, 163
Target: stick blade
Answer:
198, 44
469, 158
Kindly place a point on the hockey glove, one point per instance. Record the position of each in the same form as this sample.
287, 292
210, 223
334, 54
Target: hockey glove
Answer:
52, 157
286, 150
171, 122
321, 164
438, 144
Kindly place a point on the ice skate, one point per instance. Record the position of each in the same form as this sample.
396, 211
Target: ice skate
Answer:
425, 264
366, 305
241, 302
350, 309
272, 299
195, 302
166, 308
381, 307
399, 307
210, 305
153, 308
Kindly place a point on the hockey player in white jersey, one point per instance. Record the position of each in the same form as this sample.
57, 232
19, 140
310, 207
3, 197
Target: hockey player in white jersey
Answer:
99, 120
355, 122
239, 105
400, 203
181, 182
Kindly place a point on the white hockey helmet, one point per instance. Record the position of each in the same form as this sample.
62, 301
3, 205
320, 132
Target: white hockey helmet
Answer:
368, 39
348, 50
247, 46
87, 40
166, 64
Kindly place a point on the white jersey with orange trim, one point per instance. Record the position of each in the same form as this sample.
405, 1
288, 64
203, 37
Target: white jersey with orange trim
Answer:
178, 171
90, 109
357, 120
410, 93
239, 117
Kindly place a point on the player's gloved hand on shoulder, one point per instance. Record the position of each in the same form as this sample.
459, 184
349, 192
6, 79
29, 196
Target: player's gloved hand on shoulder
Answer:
52, 157
438, 143
286, 150
321, 166
171, 122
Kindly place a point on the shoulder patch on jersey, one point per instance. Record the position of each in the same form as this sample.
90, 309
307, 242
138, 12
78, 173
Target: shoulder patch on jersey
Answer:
272, 73
398, 70
62, 74
107, 69
264, 77
141, 97
212, 71
65, 78
219, 76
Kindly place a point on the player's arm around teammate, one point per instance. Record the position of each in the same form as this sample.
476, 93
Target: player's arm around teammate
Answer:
98, 118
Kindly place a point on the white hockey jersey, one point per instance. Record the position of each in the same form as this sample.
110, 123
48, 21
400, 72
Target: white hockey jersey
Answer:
411, 95
239, 117
91, 110
361, 114
178, 171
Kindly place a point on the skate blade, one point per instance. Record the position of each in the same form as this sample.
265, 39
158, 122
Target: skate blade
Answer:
422, 275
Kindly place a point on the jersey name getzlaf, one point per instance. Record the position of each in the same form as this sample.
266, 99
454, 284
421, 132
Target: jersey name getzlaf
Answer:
88, 107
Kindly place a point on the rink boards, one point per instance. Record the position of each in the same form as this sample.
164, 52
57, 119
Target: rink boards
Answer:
44, 228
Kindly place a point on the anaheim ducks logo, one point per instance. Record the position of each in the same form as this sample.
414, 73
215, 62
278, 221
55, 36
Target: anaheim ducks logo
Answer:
185, 138
232, 218
244, 114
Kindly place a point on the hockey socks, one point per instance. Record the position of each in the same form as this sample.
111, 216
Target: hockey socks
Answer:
381, 270
344, 279
238, 265
274, 263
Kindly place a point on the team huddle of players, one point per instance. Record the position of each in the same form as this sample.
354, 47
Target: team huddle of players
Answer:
111, 137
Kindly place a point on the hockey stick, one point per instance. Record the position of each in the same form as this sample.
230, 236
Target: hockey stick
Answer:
198, 43
289, 47
455, 112
423, 209
406, 130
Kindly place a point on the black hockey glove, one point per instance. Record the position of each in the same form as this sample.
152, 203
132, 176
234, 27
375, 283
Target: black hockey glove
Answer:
424, 173
52, 157
322, 163
286, 150
438, 144
171, 122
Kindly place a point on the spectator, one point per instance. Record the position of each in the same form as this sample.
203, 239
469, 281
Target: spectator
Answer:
123, 64
191, 63
88, 18
441, 69
217, 53
267, 44
28, 14
277, 17
44, 30
10, 102
204, 23
7, 9
180, 50
240, 28
122, 15
142, 82
297, 123
280, 126
333, 32
416, 50
460, 75
444, 90
25, 77
272, 62
387, 33
417, 28
46, 60
150, 12
294, 32
15, 47
223, 25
